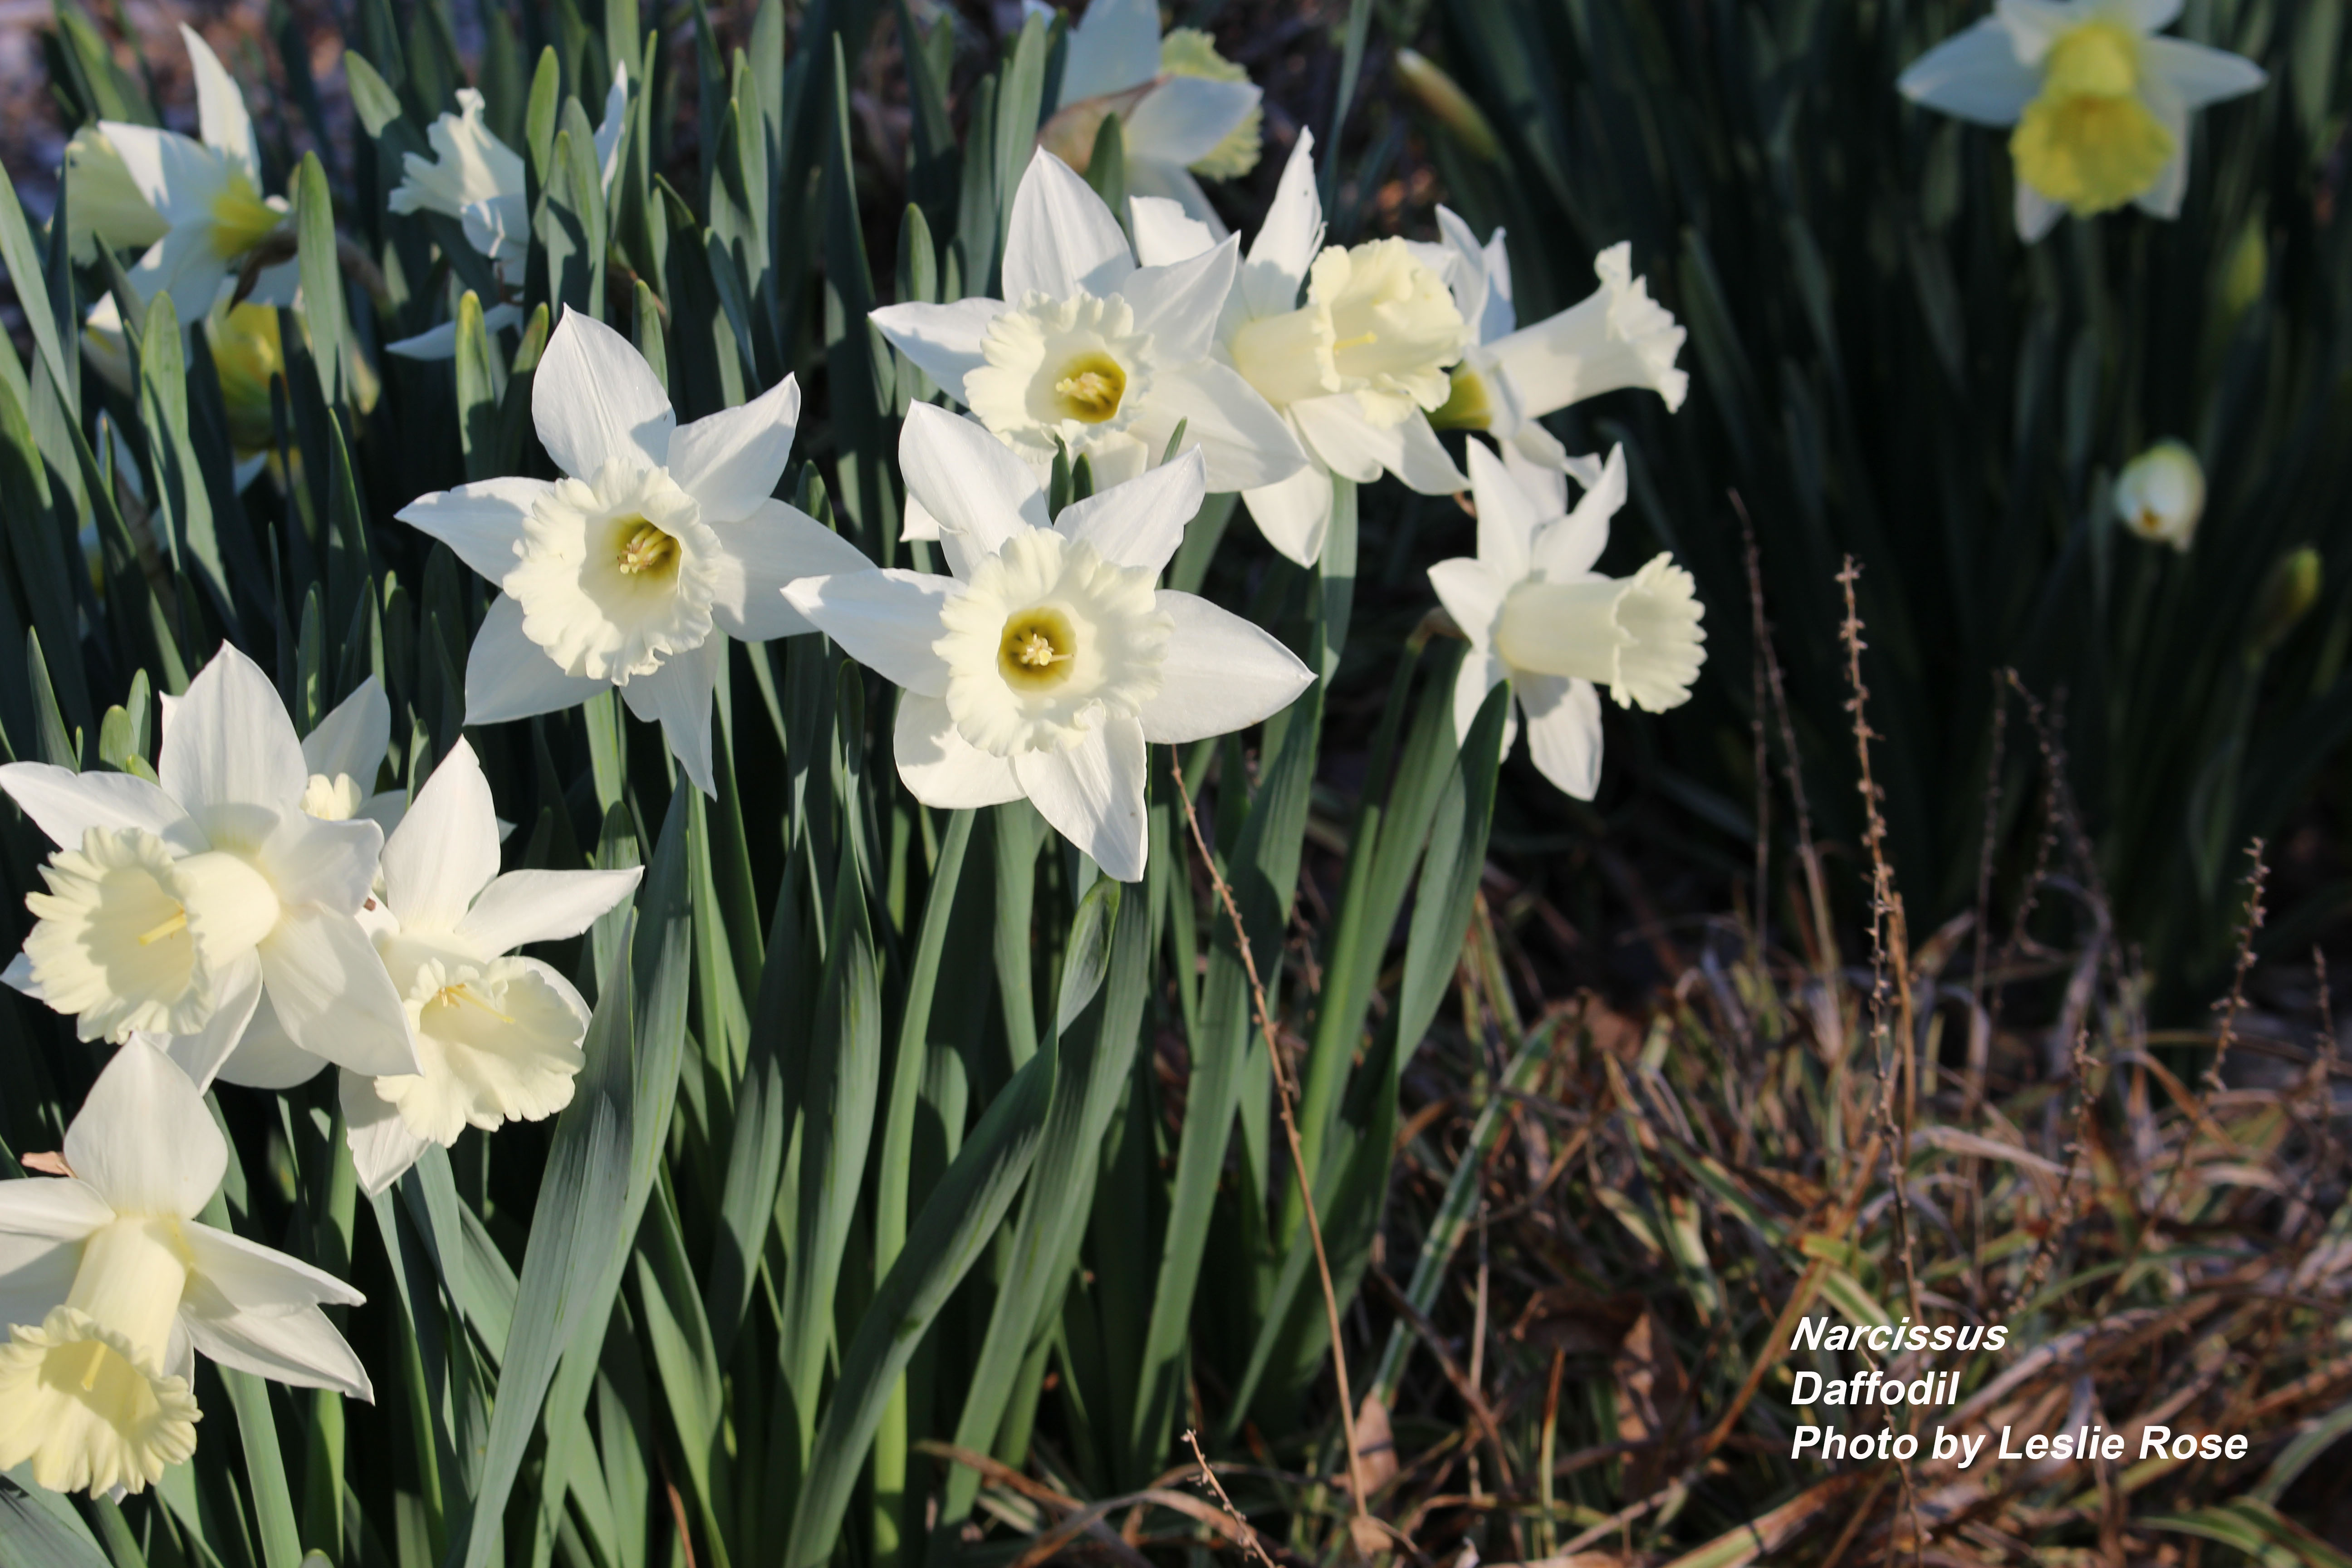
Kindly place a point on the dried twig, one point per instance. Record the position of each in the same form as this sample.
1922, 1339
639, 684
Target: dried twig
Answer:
1290, 1135
1209, 1478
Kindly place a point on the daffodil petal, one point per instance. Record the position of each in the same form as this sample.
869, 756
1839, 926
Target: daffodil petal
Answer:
1164, 232
523, 906
967, 480
1481, 672
383, 1148
1290, 239
42, 1222
508, 676
143, 1140
481, 522
1507, 517
594, 397
265, 1057
309, 861
938, 766
1181, 121
677, 697
203, 1054
1178, 303
885, 620
445, 850
1245, 442
730, 461
775, 544
1563, 730
943, 340
1221, 674
1141, 522
354, 737
1568, 545
1115, 46
63, 804
1974, 75
257, 1309
1092, 793
332, 995
230, 742
221, 116
1295, 514
1062, 239
1472, 592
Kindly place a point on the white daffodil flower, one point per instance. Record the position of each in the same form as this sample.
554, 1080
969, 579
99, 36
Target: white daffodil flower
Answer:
663, 542
345, 753
174, 907
1537, 615
479, 181
1354, 369
1509, 377
1048, 660
105, 205
1094, 353
2100, 103
1184, 108
2160, 495
207, 193
109, 1287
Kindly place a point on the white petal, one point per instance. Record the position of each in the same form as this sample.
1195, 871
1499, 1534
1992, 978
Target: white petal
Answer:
1507, 515
440, 342
966, 478
238, 998
2149, 16
383, 1148
179, 177
353, 738
1472, 594
309, 861
42, 1223
1150, 178
1336, 431
773, 546
1221, 674
1062, 239
915, 522
257, 1309
445, 850
543, 906
1178, 304
942, 340
885, 620
1543, 468
1973, 75
64, 805
1164, 232
1294, 514
231, 741
220, 107
1181, 121
1563, 730
1421, 458
1115, 46
2197, 75
677, 698
2037, 214
1246, 443
730, 462
481, 522
1573, 543
265, 1057
1481, 672
508, 676
1093, 795
1141, 522
332, 995
594, 397
1290, 239
144, 1140
940, 767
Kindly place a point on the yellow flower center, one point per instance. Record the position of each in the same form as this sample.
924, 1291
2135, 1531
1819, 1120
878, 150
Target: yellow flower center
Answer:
1036, 648
241, 220
2089, 139
1467, 405
248, 357
1090, 388
646, 551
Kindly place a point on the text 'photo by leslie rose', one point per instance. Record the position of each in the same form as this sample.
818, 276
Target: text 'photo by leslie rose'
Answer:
1929, 1386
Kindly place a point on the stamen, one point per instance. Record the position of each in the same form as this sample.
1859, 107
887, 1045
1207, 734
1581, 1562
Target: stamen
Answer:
646, 549
1038, 651
450, 995
96, 1360
1362, 340
172, 927
1089, 386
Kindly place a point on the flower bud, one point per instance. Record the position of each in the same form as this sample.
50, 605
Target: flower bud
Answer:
2288, 594
2160, 495
1443, 97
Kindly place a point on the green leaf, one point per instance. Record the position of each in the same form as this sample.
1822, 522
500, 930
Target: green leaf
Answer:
954, 1228
39, 1529
181, 498
599, 1174
323, 277
21, 257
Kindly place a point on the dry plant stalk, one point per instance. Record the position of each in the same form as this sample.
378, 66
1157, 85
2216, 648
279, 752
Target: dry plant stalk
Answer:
1290, 1136
1247, 1534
